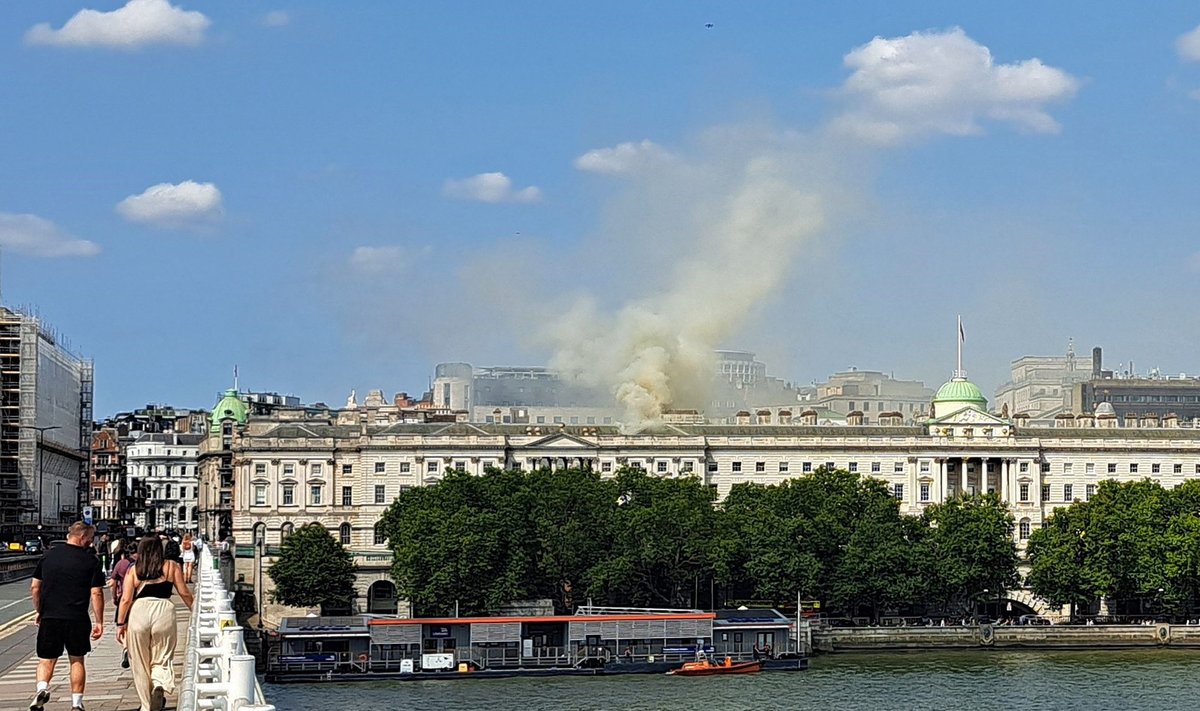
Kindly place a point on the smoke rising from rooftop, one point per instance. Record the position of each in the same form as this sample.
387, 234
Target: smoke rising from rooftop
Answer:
721, 226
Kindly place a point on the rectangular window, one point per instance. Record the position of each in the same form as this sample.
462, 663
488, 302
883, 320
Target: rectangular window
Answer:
737, 466
1024, 467
661, 467
380, 494
1024, 494
1178, 468
1068, 467
260, 468
925, 467
760, 467
898, 491
289, 470
783, 466
317, 470
405, 487
1133, 468
260, 494
806, 467
461, 466
924, 491
432, 466
347, 496
1155, 468
1089, 492
898, 467
829, 466
1045, 467
1045, 492
344, 534
289, 494
541, 419
315, 494
1024, 529
97, 494
379, 537
853, 467
379, 467
405, 467
712, 467
605, 467
347, 468
876, 467
1112, 467
1089, 468
1067, 491
687, 467
574, 420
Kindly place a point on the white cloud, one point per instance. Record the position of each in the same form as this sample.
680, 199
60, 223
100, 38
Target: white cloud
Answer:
622, 158
138, 23
944, 82
490, 187
167, 205
37, 237
1188, 45
389, 259
276, 18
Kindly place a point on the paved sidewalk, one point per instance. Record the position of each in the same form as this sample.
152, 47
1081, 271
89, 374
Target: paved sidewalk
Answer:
109, 687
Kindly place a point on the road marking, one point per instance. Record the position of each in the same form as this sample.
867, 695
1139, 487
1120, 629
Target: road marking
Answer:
14, 602
13, 625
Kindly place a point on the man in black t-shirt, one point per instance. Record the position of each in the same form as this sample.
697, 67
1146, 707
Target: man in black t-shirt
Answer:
66, 580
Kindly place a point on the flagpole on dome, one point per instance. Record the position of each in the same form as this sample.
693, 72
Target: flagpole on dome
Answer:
960, 373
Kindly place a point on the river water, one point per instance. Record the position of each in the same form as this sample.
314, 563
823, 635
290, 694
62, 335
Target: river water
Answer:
1080, 681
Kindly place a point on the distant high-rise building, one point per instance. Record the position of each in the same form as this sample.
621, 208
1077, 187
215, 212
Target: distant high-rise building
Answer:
873, 393
45, 426
1042, 387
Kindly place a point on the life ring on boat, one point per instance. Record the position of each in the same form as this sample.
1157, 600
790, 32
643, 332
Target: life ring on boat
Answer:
363, 658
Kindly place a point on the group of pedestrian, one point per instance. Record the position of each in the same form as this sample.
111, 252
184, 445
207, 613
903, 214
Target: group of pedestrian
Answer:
70, 579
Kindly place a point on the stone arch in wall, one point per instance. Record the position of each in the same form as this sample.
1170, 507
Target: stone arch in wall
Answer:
381, 597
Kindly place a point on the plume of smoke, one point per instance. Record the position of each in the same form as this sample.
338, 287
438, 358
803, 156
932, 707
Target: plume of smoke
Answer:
727, 224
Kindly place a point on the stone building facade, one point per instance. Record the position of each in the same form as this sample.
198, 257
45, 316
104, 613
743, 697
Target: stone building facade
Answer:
343, 469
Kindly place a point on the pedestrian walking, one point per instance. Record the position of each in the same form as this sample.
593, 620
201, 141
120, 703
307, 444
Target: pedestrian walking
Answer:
116, 583
146, 623
66, 580
102, 553
189, 556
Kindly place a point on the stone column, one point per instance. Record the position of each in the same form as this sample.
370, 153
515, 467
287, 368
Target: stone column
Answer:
942, 483
962, 476
1004, 480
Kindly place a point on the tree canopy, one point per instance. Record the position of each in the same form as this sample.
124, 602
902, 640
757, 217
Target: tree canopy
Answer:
639, 539
313, 569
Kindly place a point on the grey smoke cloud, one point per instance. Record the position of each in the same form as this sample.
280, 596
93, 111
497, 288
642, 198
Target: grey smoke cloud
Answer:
722, 225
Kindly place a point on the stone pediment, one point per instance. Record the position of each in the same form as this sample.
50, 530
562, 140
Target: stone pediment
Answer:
970, 423
561, 441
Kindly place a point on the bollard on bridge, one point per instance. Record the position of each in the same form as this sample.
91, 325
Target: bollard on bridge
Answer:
217, 672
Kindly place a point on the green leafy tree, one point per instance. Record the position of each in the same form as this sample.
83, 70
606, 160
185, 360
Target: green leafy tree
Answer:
662, 541
313, 569
967, 549
1060, 569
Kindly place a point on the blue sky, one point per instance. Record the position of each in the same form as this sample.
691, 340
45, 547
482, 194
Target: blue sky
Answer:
310, 190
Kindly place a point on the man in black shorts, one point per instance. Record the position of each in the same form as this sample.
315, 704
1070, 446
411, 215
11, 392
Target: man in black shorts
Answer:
66, 579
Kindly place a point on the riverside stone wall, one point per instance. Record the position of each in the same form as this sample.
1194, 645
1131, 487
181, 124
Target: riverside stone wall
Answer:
861, 639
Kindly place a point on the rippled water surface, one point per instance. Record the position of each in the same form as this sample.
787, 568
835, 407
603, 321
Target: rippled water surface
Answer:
1143, 679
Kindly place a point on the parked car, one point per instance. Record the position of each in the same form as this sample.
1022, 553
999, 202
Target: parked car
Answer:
34, 545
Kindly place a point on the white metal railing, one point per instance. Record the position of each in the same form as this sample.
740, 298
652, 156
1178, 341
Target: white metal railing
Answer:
217, 672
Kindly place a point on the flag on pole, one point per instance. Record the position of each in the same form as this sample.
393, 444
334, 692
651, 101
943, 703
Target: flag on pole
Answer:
962, 336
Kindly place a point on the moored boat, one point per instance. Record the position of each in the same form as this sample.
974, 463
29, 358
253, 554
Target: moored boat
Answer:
707, 668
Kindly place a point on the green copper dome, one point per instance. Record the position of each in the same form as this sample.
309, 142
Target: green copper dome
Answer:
960, 390
229, 406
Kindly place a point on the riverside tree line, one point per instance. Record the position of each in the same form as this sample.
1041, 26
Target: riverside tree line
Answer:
477, 543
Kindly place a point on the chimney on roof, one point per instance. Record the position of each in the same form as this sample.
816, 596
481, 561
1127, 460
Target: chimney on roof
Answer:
1097, 362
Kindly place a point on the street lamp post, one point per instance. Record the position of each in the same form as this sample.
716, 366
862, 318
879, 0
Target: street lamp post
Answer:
41, 475
58, 501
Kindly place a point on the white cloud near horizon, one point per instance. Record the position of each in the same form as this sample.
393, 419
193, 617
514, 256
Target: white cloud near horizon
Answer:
385, 259
1188, 45
491, 188
136, 24
38, 237
166, 205
944, 82
276, 18
622, 158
